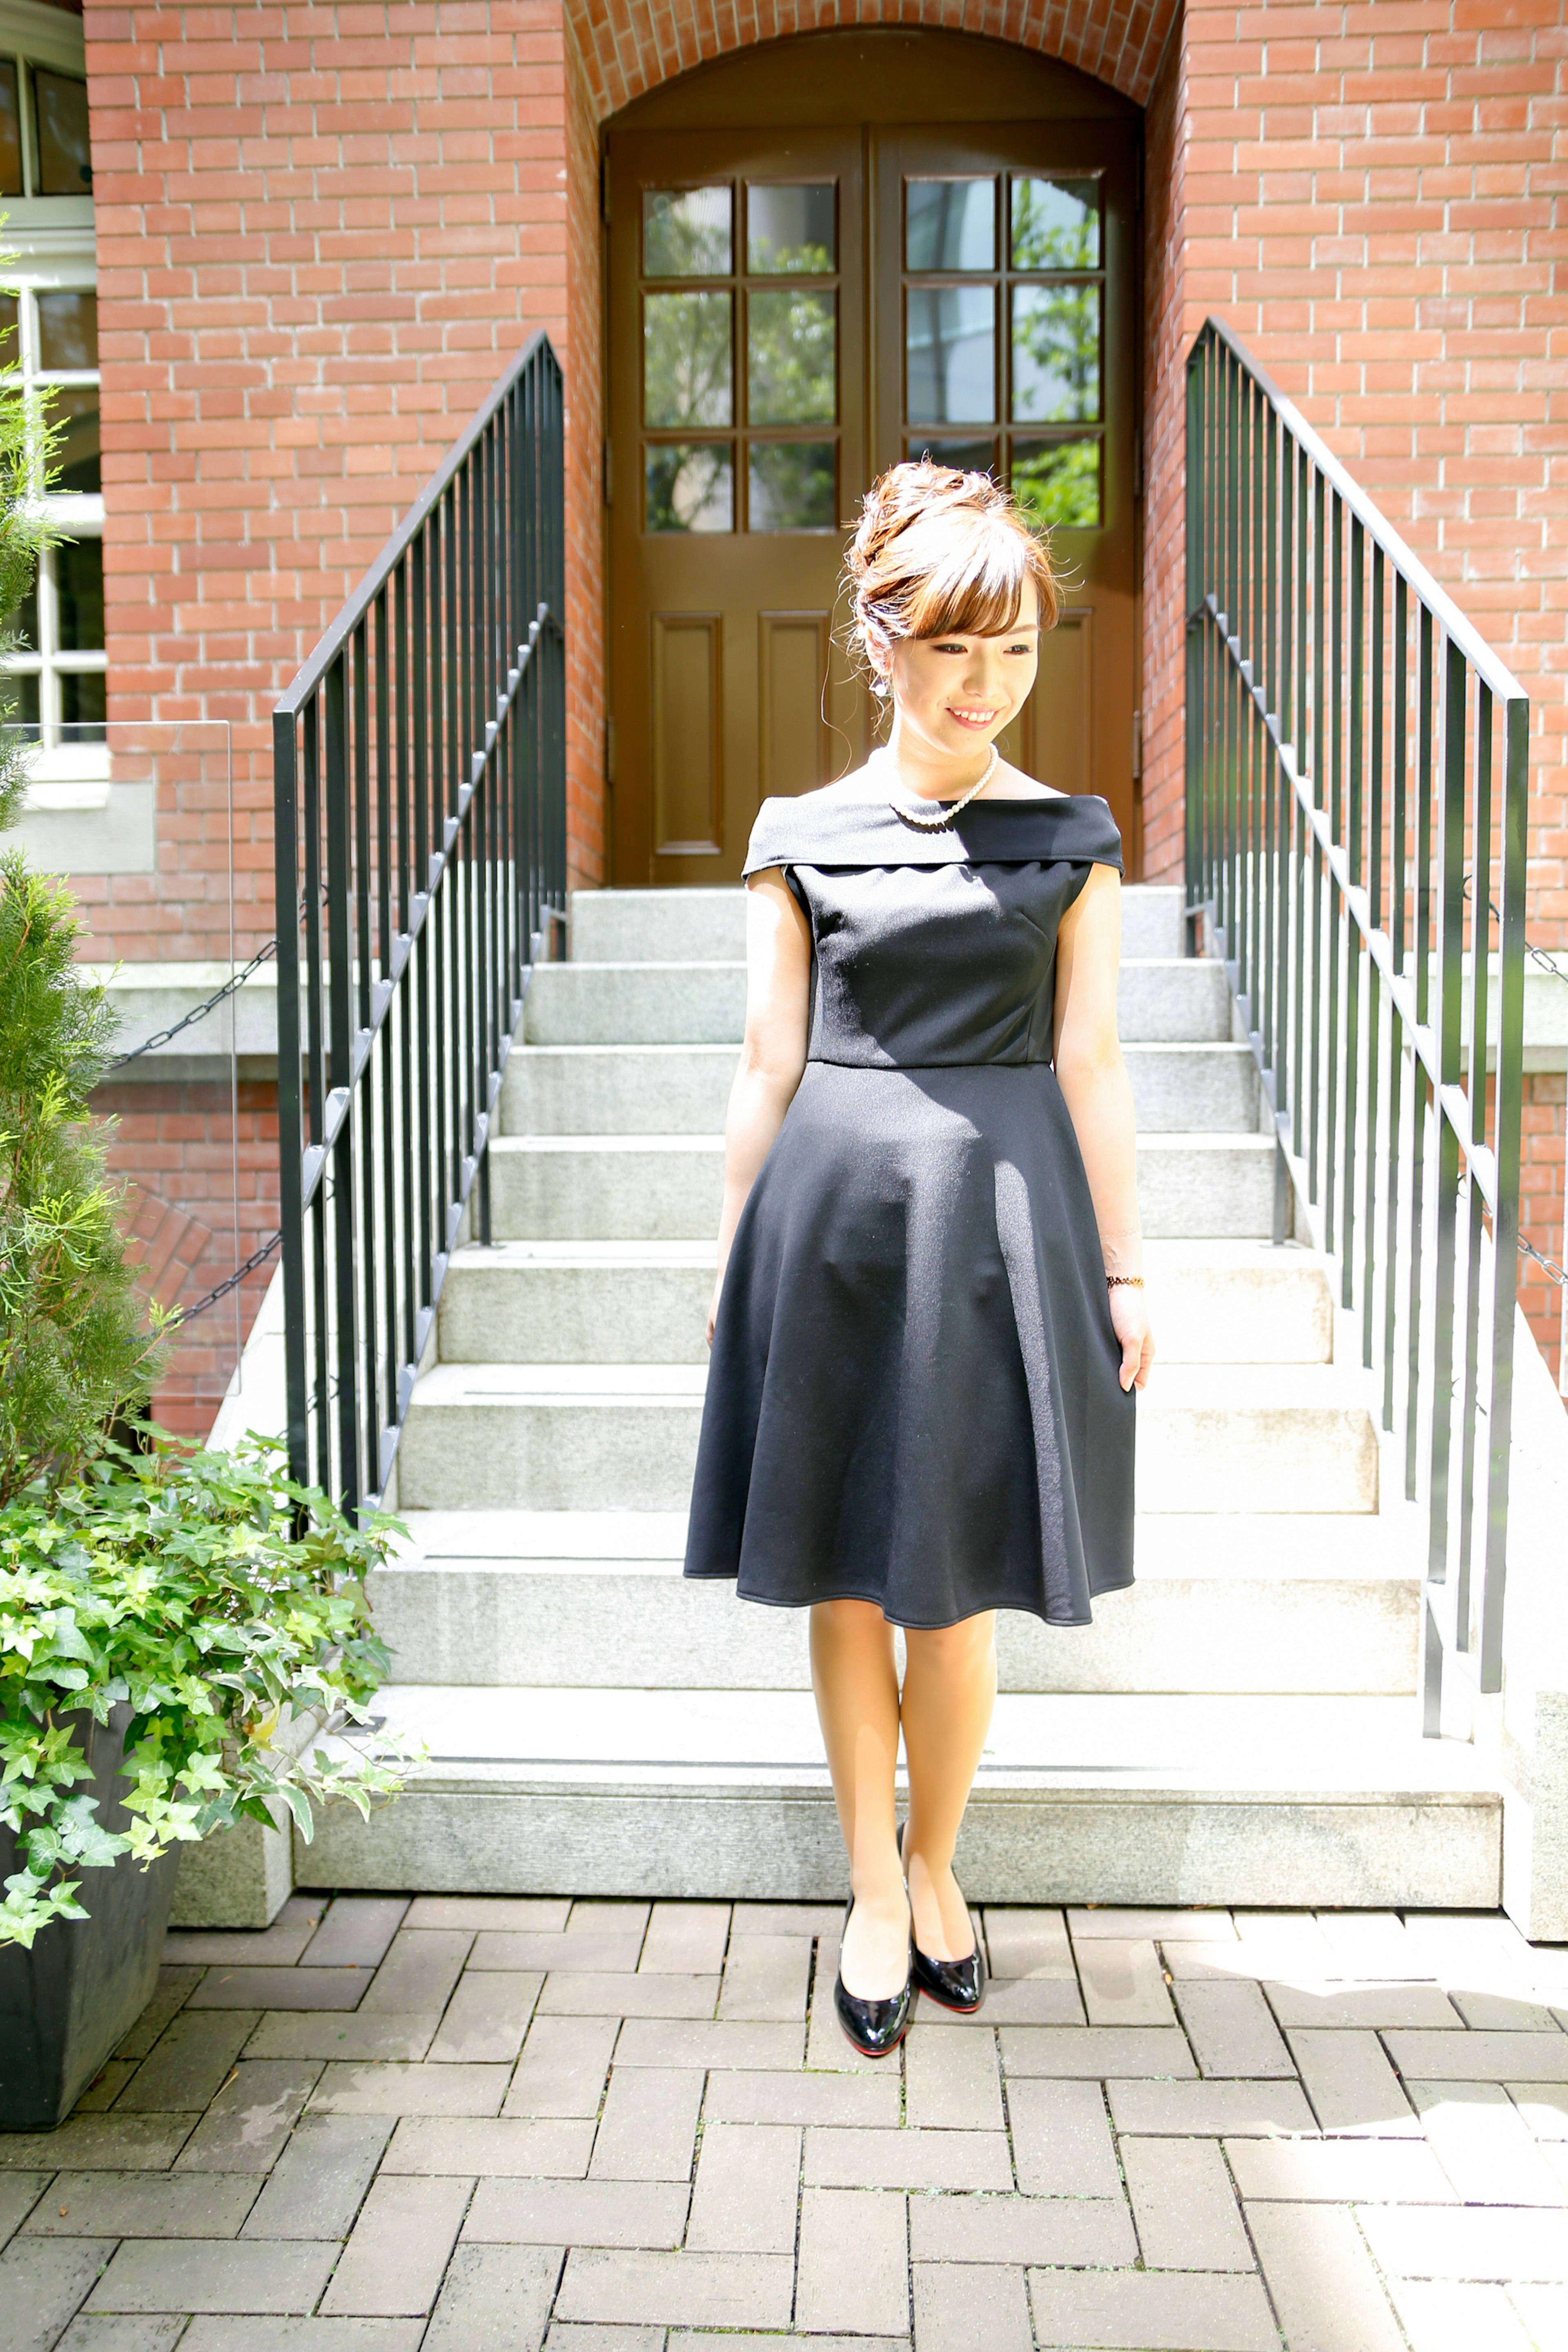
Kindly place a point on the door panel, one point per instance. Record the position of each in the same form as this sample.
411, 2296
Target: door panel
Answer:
687, 735
794, 746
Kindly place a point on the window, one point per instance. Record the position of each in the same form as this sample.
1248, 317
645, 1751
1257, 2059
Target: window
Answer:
51, 335
44, 146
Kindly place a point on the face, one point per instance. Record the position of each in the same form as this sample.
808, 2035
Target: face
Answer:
959, 692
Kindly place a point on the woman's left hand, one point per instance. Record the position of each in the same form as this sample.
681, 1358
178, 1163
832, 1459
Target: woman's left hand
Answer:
1129, 1321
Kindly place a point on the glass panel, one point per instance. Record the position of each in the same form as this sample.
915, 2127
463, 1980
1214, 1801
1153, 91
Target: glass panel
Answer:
78, 588
964, 456
77, 459
790, 230
951, 334
689, 486
686, 232
950, 223
10, 132
84, 705
790, 486
686, 374
22, 626
68, 332
65, 159
790, 352
1056, 353
23, 716
10, 347
1058, 482
1056, 225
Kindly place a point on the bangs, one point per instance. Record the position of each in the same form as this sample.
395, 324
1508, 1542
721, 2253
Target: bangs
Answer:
965, 577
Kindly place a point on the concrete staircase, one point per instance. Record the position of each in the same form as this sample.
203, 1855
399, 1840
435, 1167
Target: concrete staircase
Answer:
1239, 1729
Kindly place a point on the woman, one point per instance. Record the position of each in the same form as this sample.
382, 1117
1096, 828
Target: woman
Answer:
928, 1318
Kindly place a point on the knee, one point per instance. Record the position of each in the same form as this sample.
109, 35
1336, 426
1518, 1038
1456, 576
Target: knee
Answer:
847, 1622
959, 1649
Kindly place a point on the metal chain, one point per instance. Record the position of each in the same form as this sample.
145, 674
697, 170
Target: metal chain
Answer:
1536, 955
199, 1011
258, 1256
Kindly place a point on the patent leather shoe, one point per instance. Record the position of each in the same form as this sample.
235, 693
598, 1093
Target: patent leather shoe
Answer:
953, 1984
875, 2028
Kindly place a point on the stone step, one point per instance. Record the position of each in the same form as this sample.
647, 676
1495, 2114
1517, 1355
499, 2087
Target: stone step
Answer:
697, 925
560, 1302
1262, 1437
1111, 1798
1160, 1001
667, 1186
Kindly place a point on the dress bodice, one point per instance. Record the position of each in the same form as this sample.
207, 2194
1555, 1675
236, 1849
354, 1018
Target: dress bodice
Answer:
932, 948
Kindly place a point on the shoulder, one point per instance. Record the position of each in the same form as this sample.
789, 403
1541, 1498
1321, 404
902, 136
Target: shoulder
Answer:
803, 825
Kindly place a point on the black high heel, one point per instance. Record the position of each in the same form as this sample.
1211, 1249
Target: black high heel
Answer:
952, 1984
875, 2028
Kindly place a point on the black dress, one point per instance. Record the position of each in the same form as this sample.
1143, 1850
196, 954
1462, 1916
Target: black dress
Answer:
913, 1398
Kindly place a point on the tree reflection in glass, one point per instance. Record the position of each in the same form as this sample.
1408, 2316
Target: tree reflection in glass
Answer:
686, 232
791, 359
1056, 224
791, 486
790, 230
689, 486
1057, 483
687, 375
1056, 353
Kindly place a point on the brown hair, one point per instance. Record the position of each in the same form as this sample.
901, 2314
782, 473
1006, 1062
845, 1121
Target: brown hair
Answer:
938, 552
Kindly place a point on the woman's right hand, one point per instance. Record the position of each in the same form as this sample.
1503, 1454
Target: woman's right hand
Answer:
713, 1304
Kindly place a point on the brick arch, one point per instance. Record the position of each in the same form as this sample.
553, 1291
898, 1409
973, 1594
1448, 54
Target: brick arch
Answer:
627, 46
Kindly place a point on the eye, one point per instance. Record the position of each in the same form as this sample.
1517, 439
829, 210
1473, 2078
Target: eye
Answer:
952, 648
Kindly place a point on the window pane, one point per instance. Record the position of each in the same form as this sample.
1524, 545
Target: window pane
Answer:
68, 332
1056, 353
690, 486
10, 344
950, 223
22, 626
1056, 225
686, 232
951, 345
78, 586
1058, 482
790, 486
790, 229
964, 456
687, 376
10, 132
64, 159
791, 354
24, 694
83, 706
79, 469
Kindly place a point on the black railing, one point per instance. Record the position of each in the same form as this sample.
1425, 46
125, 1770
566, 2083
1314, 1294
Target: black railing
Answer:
419, 778
1357, 766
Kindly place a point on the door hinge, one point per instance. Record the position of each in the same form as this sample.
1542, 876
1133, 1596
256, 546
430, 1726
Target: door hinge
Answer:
609, 751
606, 463
1137, 746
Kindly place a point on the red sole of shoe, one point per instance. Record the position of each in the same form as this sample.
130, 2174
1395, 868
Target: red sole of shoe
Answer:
864, 2052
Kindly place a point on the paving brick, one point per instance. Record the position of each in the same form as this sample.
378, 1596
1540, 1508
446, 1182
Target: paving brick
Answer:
173, 1989
688, 2339
570, 2336
677, 2290
421, 1967
240, 2274
235, 1988
1544, 2311
688, 1939
1455, 2318
105, 2086
1467, 2241
42, 2284
1293, 1939
397, 2251
1543, 2105
765, 1978
590, 1917
1208, 2110
1501, 2012
748, 2180
710, 2043
120, 2332
1470, 1947
1093, 2233
1231, 2031
99, 2144
386, 2037
1484, 2144
1351, 2084
648, 2127
494, 2297
1185, 2206
319, 2182
578, 2212
1028, 1943
871, 2101
556, 2149
562, 2068
19, 2192
605, 1954
486, 2018
1121, 1922
190, 2062
483, 1914
143, 2205
853, 2263
1123, 1983
1480, 2057
279, 1945
1376, 2008
1233, 1963
1340, 2171
1095, 2051
591, 1994
962, 2308
395, 2089
302, 2335
906, 2160
951, 2081
786, 1918
248, 2122
1373, 1943
1061, 2140
1154, 2311
1325, 2289
1014, 2001
356, 1932
827, 2050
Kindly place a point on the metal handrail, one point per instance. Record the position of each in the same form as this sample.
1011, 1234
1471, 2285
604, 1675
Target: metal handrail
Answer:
420, 787
1347, 887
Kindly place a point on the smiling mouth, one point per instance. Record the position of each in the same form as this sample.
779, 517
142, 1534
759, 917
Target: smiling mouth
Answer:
973, 717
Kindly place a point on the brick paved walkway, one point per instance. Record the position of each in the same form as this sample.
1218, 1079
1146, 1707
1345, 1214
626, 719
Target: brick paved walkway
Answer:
482, 2125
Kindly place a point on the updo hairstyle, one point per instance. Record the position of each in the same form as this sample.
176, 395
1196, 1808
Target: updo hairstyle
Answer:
938, 553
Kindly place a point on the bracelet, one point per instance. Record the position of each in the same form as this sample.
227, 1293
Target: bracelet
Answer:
1127, 1281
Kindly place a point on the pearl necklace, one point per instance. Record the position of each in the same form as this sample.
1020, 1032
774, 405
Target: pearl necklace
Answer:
944, 816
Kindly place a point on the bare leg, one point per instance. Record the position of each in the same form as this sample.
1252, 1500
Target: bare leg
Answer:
950, 1690
857, 1686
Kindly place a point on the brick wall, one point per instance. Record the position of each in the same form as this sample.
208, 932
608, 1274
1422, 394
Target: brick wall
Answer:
1541, 1205
1165, 429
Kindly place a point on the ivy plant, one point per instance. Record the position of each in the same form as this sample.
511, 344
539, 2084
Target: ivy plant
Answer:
222, 1605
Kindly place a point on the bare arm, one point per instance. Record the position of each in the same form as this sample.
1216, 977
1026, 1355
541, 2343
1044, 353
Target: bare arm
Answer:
1099, 1096
773, 1059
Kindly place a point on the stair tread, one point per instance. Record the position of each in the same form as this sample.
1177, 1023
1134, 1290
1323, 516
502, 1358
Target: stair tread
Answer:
1228, 1387
1288, 1261
577, 1143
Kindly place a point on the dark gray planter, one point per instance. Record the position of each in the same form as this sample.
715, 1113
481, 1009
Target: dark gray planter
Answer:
65, 2004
